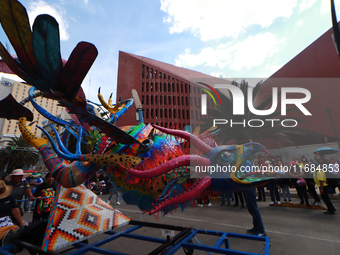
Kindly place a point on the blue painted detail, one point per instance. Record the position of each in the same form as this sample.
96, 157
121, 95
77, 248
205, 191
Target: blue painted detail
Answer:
140, 115
172, 189
64, 153
42, 111
114, 118
60, 143
145, 203
131, 197
72, 130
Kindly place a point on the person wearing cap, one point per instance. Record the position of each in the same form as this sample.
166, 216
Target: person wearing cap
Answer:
20, 186
8, 207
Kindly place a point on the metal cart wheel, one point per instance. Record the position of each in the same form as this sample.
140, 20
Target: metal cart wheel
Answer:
188, 251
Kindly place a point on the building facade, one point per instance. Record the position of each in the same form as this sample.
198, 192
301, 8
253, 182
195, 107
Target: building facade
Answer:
9, 128
316, 68
164, 90
168, 97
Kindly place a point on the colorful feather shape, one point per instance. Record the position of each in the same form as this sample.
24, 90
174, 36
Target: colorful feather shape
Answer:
19, 70
11, 63
46, 46
76, 68
14, 20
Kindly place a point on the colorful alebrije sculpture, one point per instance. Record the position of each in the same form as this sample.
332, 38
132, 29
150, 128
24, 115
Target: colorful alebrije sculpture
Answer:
150, 163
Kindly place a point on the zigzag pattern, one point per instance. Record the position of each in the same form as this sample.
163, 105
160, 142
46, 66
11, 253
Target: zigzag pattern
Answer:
79, 215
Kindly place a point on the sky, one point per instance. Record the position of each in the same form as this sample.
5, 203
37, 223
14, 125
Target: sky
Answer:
224, 38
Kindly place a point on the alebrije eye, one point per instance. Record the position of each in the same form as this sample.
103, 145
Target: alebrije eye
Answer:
224, 157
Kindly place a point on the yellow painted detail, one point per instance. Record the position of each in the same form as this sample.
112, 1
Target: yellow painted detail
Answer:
108, 106
239, 152
28, 136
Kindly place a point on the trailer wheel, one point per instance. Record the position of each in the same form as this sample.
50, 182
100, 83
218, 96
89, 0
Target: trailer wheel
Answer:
188, 251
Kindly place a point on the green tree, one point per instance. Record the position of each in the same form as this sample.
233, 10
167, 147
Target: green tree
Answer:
246, 134
17, 154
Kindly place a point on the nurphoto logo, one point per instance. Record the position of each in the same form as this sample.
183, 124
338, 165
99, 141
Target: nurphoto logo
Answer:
239, 104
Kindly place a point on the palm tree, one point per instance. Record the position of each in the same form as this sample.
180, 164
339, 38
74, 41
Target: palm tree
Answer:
243, 134
17, 154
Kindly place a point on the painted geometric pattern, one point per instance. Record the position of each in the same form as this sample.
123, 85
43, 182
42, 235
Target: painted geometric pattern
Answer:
77, 215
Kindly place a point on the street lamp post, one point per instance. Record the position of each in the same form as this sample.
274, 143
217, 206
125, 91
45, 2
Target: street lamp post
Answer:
336, 135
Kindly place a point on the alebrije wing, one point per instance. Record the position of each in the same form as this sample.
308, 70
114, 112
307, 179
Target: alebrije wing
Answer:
11, 63
76, 68
46, 46
14, 20
18, 69
11, 109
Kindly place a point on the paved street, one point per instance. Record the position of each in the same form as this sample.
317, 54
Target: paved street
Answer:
291, 230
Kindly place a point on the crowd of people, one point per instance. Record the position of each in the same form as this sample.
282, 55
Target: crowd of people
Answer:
101, 184
304, 181
24, 193
21, 192
305, 176
14, 188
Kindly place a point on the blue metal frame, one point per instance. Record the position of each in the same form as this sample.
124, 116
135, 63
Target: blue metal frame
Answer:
6, 249
168, 246
224, 238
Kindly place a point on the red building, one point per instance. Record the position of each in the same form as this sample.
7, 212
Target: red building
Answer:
163, 89
316, 68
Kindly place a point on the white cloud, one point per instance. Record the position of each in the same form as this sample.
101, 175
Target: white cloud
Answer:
41, 7
251, 52
219, 75
299, 23
216, 19
306, 4
86, 1
325, 7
